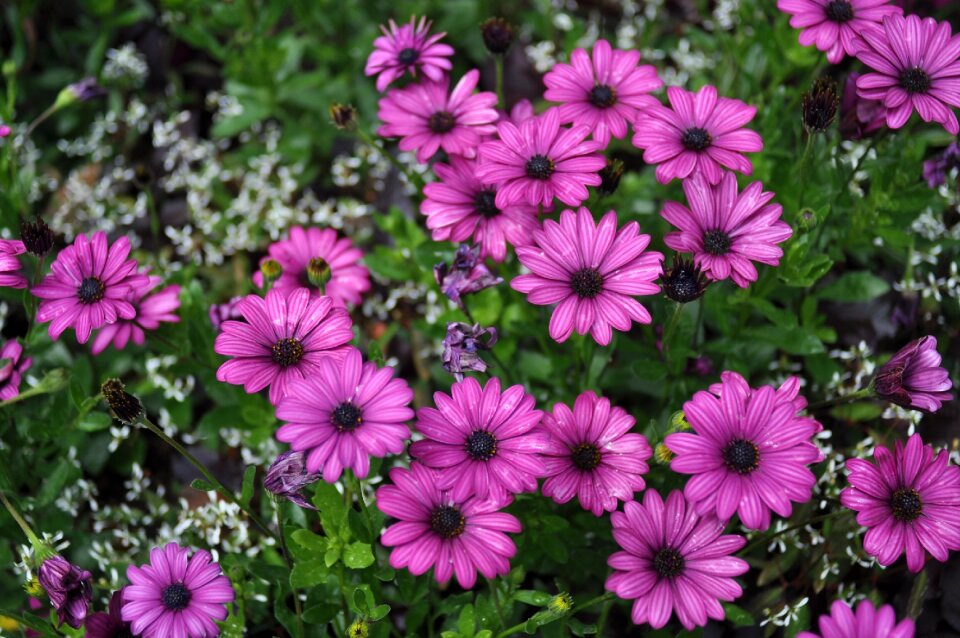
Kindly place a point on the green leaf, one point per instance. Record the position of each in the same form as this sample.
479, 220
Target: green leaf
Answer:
331, 556
792, 341
379, 612
358, 555
202, 485
467, 623
94, 422
532, 597
246, 492
739, 616
855, 286
308, 573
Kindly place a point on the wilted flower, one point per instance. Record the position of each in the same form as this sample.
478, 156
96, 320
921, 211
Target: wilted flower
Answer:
820, 105
914, 378
684, 281
69, 589
610, 177
859, 116
36, 236
288, 475
461, 348
466, 276
497, 35
126, 408
343, 116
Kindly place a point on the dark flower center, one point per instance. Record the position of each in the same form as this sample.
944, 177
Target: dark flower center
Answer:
906, 505
442, 122
695, 139
408, 56
91, 290
287, 352
914, 80
587, 283
347, 417
485, 203
176, 597
603, 96
668, 563
481, 445
586, 457
447, 521
716, 242
539, 167
839, 11
684, 282
741, 456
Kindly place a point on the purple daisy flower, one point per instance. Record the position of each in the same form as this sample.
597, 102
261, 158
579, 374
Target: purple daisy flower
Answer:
748, 452
283, 337
10, 251
288, 475
109, 624
538, 160
69, 589
674, 561
427, 118
176, 595
12, 368
592, 272
522, 110
918, 68
700, 134
868, 621
909, 502
727, 231
151, 310
408, 48
833, 25
484, 443
343, 413
603, 93
914, 377
320, 250
455, 536
592, 455
88, 286
459, 207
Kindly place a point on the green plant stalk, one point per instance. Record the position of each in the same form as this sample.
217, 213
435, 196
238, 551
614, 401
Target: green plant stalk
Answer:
590, 603
277, 503
671, 326
917, 593
865, 393
495, 596
498, 68
27, 530
361, 499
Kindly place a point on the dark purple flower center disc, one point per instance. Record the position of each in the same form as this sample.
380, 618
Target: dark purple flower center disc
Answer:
587, 283
408, 56
91, 290
716, 242
741, 456
696, 139
346, 417
668, 563
914, 80
447, 521
586, 457
481, 445
485, 203
287, 352
839, 11
176, 597
906, 505
442, 122
539, 167
603, 96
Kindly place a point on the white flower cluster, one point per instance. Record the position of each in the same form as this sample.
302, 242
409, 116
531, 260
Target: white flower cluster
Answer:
125, 66
174, 387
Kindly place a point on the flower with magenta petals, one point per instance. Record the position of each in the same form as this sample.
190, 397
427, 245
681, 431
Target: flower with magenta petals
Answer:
700, 134
69, 589
176, 595
867, 622
10, 251
109, 624
917, 64
538, 160
283, 337
603, 92
909, 501
833, 25
914, 377
725, 230
408, 48
89, 286
467, 275
427, 118
483, 442
673, 561
288, 475
151, 310
591, 454
345, 412
459, 207
592, 272
748, 451
12, 368
455, 535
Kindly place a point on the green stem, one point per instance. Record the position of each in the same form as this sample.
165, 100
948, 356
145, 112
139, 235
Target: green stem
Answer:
495, 595
498, 67
41, 119
278, 504
362, 500
210, 478
671, 326
917, 594
865, 393
154, 217
27, 530
590, 603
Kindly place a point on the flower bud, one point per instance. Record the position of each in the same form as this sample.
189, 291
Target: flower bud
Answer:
820, 105
497, 35
318, 272
610, 177
343, 116
36, 237
126, 408
271, 271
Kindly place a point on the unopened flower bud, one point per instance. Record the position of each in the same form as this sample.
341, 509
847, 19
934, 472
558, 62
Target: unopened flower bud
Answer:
82, 91
36, 236
318, 272
610, 177
678, 422
663, 454
126, 408
497, 35
561, 603
271, 271
820, 105
358, 629
343, 116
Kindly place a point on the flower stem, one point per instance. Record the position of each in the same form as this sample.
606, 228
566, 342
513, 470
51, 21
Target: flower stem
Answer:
519, 627
917, 594
27, 530
671, 326
498, 68
53, 108
495, 595
278, 504
865, 393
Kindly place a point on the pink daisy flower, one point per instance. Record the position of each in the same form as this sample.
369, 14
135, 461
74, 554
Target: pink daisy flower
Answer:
151, 310
284, 337
673, 561
484, 443
833, 25
701, 133
522, 110
427, 118
914, 377
12, 368
10, 251
591, 271
726, 231
748, 452
437, 529
88, 286
591, 454
538, 160
909, 502
321, 250
918, 67
108, 624
344, 413
459, 207
868, 621
604, 92
408, 48
176, 595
